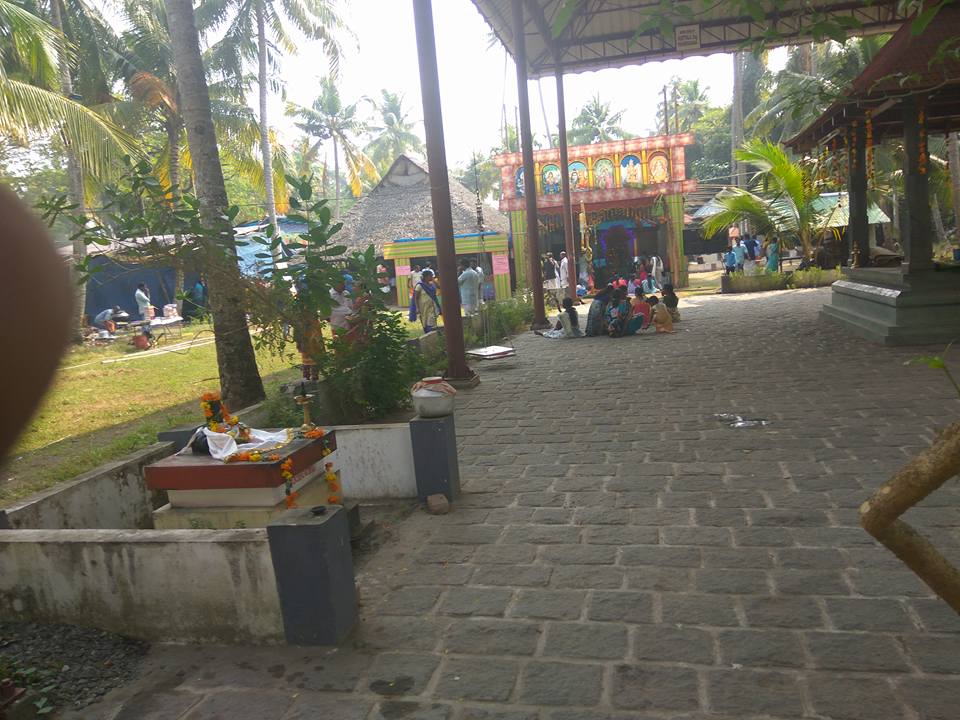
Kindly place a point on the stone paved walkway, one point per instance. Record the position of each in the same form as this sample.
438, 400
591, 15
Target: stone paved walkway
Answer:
622, 554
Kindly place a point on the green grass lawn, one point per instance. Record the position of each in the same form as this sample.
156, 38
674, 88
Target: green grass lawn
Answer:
107, 402
99, 409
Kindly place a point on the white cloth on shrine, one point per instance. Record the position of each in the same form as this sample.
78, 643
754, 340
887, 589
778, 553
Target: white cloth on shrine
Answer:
223, 445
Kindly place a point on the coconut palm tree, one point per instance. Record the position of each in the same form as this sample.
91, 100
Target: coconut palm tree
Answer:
780, 201
239, 376
31, 51
597, 123
257, 30
146, 64
329, 119
394, 135
37, 96
691, 104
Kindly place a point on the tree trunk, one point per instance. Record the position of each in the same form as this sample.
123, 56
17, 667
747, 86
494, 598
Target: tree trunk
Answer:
266, 153
173, 171
336, 179
953, 157
736, 120
543, 110
75, 180
239, 377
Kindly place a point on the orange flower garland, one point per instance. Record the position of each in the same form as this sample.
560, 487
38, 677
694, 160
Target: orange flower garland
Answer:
286, 472
332, 485
922, 155
870, 165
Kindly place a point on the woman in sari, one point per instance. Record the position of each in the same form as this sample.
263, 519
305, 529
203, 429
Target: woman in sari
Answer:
596, 314
773, 255
425, 302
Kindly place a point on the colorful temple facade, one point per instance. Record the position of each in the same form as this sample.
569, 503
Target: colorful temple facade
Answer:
627, 197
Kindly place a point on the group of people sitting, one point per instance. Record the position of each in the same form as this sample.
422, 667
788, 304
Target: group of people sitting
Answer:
613, 314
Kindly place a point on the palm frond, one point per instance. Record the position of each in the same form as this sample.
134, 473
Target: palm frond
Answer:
34, 45
97, 141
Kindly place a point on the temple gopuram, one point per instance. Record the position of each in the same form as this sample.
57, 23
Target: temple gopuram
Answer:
627, 200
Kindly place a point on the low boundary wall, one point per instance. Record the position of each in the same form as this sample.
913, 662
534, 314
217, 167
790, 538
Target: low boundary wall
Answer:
111, 496
156, 585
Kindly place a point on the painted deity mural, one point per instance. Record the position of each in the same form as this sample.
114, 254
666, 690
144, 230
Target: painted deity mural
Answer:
579, 178
658, 168
603, 174
631, 172
551, 180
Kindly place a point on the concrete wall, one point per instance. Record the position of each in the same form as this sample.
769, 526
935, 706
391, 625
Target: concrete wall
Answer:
157, 585
112, 496
375, 461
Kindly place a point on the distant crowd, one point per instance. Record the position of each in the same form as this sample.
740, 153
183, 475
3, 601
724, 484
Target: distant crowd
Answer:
626, 306
749, 255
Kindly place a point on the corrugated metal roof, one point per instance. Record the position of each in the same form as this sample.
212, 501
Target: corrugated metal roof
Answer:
604, 33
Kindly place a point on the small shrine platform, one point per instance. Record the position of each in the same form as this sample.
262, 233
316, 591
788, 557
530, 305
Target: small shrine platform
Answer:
208, 493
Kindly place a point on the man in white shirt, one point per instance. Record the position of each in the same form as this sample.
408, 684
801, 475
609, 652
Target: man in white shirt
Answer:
475, 266
564, 270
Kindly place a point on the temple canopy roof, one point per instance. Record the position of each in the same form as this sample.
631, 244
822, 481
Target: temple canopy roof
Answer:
594, 34
926, 65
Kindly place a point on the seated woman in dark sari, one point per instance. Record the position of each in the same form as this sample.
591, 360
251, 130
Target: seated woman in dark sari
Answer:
597, 313
618, 314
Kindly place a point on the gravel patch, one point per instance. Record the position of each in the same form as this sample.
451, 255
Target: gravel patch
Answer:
73, 666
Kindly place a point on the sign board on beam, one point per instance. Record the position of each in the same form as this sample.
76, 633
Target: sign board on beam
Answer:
687, 37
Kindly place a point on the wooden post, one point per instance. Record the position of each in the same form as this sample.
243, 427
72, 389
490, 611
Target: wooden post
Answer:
529, 172
565, 190
858, 228
916, 233
440, 193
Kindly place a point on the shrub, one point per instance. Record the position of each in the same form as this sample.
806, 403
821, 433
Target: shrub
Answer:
813, 277
740, 283
502, 318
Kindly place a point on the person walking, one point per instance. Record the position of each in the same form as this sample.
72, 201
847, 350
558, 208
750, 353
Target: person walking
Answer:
740, 252
564, 270
750, 262
425, 302
144, 307
551, 283
469, 288
415, 275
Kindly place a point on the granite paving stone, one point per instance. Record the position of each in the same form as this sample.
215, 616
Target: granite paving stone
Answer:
486, 679
549, 604
617, 553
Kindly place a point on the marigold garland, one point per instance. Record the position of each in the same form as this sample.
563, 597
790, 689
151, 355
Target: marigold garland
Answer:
332, 485
870, 162
922, 155
286, 472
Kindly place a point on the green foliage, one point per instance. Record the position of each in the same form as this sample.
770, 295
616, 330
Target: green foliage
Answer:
370, 373
781, 199
739, 283
813, 277
709, 156
938, 362
597, 123
138, 220
43, 682
298, 296
501, 318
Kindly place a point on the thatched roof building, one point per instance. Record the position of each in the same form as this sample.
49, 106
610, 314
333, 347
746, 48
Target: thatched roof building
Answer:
399, 207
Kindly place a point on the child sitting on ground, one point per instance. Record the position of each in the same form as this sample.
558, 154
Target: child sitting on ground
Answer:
671, 300
661, 318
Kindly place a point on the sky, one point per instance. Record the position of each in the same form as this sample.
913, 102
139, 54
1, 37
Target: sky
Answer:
473, 83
